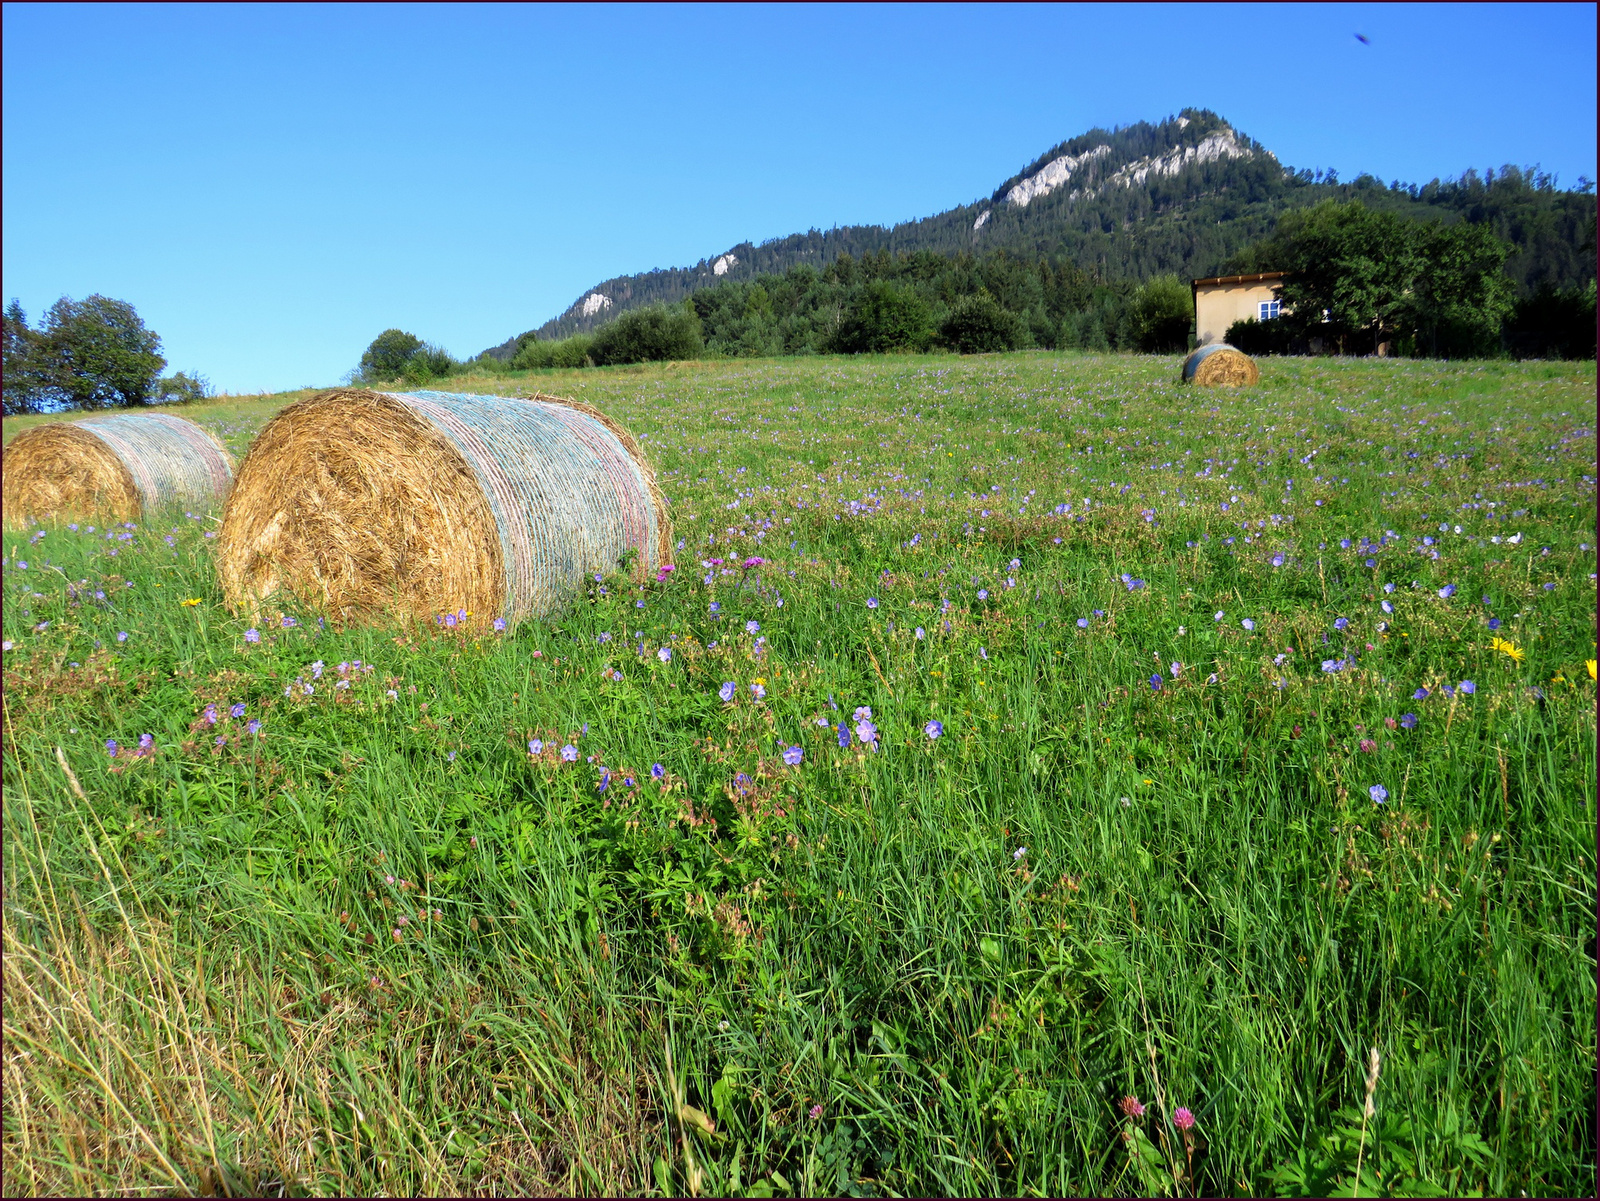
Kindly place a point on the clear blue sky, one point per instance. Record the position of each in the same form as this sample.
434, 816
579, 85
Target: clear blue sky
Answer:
271, 186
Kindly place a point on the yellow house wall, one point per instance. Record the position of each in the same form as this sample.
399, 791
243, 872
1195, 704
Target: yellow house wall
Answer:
1217, 306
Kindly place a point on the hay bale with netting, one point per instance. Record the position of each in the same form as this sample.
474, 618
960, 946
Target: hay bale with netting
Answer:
369, 504
1220, 366
115, 468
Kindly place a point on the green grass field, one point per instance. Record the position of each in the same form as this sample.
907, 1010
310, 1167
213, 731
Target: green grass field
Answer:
1215, 741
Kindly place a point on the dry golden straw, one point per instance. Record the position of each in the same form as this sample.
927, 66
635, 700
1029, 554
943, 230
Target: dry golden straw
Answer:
115, 468
1220, 366
365, 504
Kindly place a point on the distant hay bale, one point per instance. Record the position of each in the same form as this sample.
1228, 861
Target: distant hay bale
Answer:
1220, 365
416, 504
117, 468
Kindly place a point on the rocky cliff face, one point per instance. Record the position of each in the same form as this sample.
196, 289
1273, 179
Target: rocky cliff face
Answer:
1221, 143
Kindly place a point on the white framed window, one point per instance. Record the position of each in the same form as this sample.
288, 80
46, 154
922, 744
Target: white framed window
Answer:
1270, 309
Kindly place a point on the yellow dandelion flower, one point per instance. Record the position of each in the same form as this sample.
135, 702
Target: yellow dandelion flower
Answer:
1509, 649
190, 603
1589, 663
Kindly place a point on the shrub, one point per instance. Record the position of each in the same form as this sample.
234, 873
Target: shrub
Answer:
567, 353
1162, 315
1263, 337
649, 335
1553, 324
882, 319
978, 325
182, 389
395, 354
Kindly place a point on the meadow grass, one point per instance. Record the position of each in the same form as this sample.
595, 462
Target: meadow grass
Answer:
1140, 661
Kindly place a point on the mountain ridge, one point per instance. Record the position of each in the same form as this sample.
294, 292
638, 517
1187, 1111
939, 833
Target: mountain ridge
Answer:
1184, 195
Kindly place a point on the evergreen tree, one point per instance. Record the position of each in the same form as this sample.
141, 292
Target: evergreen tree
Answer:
24, 387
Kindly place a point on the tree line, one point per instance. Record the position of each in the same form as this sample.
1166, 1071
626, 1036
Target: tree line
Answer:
94, 353
1360, 277
1363, 278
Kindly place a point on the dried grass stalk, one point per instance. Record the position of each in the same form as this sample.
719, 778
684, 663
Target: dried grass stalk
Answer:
366, 504
117, 468
1220, 366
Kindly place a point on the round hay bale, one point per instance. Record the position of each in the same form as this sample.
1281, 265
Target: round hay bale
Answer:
415, 504
1220, 365
119, 467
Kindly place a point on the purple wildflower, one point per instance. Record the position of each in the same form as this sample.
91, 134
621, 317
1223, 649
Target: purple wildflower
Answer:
933, 729
793, 755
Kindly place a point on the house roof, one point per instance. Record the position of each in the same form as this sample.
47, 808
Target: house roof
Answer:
1261, 277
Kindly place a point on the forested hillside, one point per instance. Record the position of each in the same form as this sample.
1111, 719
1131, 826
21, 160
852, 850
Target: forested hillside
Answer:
1189, 196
